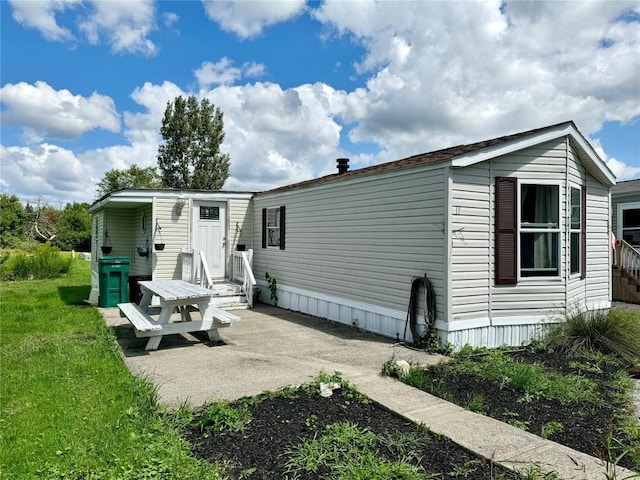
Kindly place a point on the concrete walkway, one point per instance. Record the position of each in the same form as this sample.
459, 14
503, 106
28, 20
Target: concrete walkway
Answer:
271, 348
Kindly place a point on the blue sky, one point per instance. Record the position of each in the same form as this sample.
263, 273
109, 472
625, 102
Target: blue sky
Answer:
84, 84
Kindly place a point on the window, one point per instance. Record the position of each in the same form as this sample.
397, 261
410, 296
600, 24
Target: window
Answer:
273, 227
209, 213
575, 229
527, 231
631, 226
539, 230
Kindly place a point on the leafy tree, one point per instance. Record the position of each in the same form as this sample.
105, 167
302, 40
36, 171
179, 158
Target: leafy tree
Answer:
41, 224
12, 216
190, 156
132, 177
74, 228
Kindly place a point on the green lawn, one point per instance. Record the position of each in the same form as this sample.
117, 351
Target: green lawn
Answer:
69, 406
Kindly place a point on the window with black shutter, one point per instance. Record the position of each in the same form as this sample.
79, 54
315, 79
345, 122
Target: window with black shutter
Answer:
273, 227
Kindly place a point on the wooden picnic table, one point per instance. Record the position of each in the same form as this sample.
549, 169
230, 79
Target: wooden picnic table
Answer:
180, 295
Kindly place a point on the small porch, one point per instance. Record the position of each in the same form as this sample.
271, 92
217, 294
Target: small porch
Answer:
625, 275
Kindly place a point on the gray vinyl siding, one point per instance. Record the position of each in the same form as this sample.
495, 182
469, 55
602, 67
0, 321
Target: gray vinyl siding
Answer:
576, 286
532, 297
240, 228
174, 224
362, 240
142, 237
598, 281
470, 242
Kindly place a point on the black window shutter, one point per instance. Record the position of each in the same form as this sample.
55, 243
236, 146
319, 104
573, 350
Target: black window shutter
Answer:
264, 228
583, 233
282, 226
505, 231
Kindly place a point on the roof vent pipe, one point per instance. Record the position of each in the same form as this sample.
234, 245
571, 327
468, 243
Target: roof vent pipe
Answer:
343, 165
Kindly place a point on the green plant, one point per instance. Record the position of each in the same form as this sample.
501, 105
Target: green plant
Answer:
344, 450
221, 417
464, 470
475, 403
612, 331
549, 429
43, 262
273, 288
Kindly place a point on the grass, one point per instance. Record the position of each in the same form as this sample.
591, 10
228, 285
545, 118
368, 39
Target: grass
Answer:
532, 380
43, 261
614, 331
70, 407
344, 450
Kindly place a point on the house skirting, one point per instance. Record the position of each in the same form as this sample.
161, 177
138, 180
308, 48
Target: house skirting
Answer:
477, 332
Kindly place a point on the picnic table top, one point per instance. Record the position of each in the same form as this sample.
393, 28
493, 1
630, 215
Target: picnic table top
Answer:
176, 289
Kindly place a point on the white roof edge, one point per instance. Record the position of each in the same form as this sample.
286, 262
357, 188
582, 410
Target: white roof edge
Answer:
147, 196
535, 139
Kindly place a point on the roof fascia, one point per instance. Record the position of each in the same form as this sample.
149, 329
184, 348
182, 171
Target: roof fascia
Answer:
603, 172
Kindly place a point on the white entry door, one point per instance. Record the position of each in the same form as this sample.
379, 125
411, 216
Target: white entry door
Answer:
209, 234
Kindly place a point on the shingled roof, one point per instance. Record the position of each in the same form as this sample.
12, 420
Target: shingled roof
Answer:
431, 158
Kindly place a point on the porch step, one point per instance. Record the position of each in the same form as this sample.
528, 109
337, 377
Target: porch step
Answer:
229, 296
625, 287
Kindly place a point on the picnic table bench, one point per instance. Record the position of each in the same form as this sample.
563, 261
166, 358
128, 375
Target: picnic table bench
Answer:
180, 295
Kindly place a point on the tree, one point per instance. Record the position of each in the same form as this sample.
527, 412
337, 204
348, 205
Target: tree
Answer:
74, 228
12, 216
132, 177
190, 156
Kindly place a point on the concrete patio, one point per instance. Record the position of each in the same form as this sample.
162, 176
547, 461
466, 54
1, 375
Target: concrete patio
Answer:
271, 348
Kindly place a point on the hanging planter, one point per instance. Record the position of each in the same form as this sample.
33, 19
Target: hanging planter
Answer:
159, 245
107, 247
143, 251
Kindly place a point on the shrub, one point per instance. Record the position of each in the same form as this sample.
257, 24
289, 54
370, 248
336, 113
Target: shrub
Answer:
43, 262
612, 331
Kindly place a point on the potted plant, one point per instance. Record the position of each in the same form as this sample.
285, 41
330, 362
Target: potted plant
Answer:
107, 247
159, 244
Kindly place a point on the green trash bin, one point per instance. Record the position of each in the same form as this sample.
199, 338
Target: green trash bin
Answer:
113, 273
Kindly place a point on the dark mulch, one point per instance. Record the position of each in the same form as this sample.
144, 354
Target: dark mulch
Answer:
278, 423
584, 428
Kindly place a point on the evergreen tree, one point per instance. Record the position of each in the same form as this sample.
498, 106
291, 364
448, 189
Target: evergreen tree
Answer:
190, 156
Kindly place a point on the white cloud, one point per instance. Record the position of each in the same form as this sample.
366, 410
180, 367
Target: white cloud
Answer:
170, 18
43, 112
47, 171
224, 73
249, 18
443, 73
41, 15
621, 170
277, 136
125, 24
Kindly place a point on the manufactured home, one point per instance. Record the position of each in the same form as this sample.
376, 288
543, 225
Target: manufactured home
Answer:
625, 224
511, 233
500, 237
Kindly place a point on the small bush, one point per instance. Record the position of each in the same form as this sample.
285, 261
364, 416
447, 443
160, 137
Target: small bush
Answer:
612, 331
43, 262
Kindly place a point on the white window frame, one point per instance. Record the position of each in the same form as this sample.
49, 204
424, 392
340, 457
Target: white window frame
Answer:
273, 229
573, 231
557, 231
621, 208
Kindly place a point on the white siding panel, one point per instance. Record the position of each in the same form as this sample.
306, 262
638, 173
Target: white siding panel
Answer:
174, 224
359, 241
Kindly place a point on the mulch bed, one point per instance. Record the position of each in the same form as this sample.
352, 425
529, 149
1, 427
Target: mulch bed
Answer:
281, 422
584, 429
